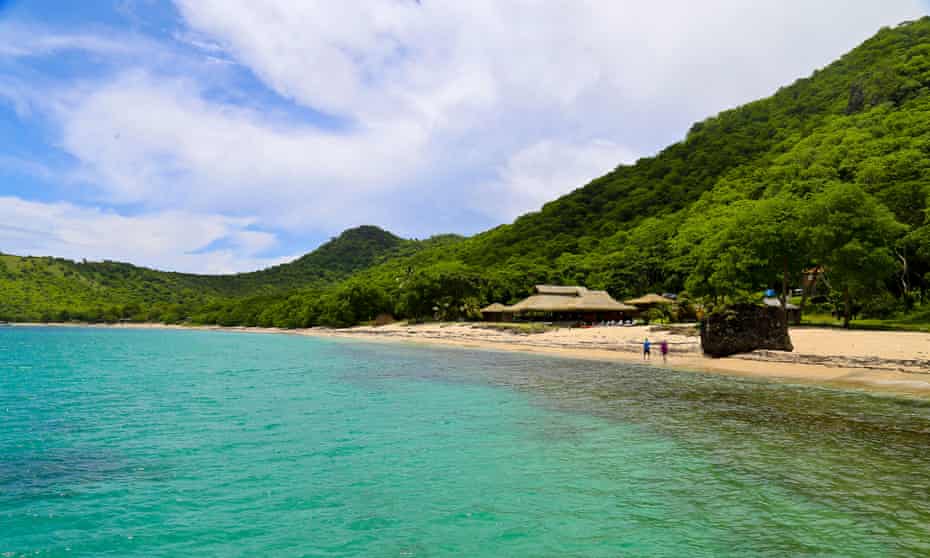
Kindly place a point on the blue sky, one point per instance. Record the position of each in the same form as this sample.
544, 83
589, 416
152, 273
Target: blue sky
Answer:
227, 135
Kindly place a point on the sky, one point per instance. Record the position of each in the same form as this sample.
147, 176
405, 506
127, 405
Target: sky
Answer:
218, 136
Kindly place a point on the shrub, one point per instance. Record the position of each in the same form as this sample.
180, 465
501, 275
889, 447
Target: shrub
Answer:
881, 305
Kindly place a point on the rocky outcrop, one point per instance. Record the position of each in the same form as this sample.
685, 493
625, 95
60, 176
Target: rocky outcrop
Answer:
743, 328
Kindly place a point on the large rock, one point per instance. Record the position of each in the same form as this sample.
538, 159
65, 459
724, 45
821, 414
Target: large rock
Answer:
742, 328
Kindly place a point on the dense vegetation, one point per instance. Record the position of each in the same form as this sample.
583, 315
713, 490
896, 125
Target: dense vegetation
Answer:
54, 289
831, 171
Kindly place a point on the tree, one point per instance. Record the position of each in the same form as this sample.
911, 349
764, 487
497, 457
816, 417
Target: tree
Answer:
851, 236
355, 302
917, 245
745, 246
445, 291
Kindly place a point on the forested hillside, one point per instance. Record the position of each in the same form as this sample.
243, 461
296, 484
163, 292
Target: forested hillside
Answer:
55, 289
830, 171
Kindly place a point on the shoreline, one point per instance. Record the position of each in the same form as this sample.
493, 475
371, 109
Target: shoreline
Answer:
876, 362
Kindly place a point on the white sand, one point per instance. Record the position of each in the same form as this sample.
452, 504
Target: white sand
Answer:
894, 362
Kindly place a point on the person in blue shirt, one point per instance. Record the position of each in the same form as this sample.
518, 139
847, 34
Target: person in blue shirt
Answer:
646, 348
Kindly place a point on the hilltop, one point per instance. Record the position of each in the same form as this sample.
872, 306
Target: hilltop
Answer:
353, 250
832, 170
56, 289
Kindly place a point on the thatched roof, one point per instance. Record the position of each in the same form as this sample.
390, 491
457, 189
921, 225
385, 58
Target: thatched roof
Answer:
569, 299
649, 300
560, 290
601, 300
496, 307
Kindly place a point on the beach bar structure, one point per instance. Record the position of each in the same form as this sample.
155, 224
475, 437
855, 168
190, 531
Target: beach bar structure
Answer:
650, 301
496, 312
563, 304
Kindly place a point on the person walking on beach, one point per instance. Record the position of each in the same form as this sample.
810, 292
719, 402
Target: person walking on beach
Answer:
646, 347
663, 347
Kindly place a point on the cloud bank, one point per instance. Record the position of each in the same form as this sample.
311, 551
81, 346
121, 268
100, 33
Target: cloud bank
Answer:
176, 240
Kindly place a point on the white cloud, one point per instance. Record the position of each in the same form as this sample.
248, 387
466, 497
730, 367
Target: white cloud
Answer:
159, 142
373, 57
18, 95
19, 40
486, 106
545, 171
29, 167
171, 240
484, 79
434, 85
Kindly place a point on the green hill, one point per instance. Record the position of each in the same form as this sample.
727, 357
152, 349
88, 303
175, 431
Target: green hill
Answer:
856, 132
353, 250
829, 171
42, 288
867, 110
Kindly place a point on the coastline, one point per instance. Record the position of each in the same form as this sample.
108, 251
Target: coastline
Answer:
894, 363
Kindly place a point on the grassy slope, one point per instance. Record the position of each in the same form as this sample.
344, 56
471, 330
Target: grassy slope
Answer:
913, 321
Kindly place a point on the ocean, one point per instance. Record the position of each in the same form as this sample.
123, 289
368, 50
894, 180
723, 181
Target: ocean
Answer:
200, 443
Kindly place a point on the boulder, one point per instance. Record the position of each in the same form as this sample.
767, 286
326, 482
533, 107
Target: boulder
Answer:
742, 328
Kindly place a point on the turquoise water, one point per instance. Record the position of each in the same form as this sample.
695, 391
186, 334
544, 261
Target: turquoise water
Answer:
187, 443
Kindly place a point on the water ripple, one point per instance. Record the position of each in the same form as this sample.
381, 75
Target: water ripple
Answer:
180, 443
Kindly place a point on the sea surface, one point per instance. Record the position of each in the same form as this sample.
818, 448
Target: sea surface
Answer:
193, 443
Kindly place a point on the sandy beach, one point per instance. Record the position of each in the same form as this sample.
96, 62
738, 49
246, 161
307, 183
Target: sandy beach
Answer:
892, 362
879, 361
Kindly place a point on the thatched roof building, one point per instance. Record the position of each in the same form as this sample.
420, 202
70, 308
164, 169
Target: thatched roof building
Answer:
496, 312
566, 303
549, 298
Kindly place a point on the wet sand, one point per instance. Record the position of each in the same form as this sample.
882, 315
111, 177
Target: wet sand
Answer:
880, 361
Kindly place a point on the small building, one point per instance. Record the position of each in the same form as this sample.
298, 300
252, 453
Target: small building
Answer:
650, 301
564, 304
794, 311
496, 312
